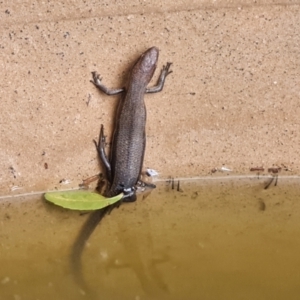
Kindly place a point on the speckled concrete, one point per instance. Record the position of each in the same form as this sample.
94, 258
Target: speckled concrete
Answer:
232, 100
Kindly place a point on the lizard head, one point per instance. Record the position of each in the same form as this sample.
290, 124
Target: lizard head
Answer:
144, 68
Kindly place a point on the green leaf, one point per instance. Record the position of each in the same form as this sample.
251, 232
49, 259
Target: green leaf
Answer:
81, 200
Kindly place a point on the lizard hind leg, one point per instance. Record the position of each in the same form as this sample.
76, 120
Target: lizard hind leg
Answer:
100, 146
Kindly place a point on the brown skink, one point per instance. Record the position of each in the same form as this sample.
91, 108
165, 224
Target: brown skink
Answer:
123, 168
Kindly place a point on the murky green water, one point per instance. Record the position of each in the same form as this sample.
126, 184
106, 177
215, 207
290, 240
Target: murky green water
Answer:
215, 239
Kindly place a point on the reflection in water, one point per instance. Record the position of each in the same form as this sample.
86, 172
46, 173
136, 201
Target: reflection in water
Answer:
141, 258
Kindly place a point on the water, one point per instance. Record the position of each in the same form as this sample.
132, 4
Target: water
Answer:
213, 239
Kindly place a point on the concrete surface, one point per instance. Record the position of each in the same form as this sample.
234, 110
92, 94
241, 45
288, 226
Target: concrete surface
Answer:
232, 100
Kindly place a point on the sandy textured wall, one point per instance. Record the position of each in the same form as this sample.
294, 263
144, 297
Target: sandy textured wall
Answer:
232, 99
